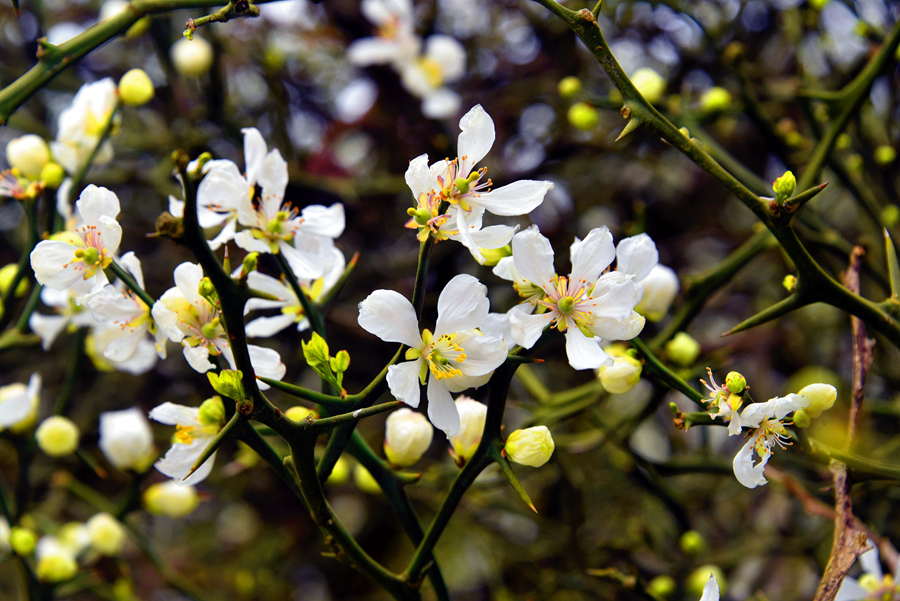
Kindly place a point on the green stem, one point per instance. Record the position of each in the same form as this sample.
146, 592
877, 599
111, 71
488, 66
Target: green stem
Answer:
329, 423
132, 284
23, 268
664, 374
418, 300
533, 385
74, 373
316, 322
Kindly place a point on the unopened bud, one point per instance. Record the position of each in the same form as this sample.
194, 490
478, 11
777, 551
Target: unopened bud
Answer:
531, 446
28, 154
683, 349
107, 535
789, 282
7, 275
249, 264
471, 427
208, 291
621, 376
662, 586
212, 410
299, 414
821, 398
569, 87
52, 175
885, 154
135, 88
340, 362
715, 99
583, 116
692, 542
407, 436
784, 187
649, 83
171, 499
802, 419
492, 256
192, 58
735, 382
365, 481
57, 436
56, 567
22, 540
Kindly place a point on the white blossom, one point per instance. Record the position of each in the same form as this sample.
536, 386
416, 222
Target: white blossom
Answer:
125, 438
81, 125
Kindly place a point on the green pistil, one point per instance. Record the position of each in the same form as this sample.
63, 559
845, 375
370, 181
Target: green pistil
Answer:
90, 256
210, 329
566, 305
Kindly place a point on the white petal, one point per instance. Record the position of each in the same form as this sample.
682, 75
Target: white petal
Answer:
441, 104
419, 177
273, 177
476, 138
710, 590
223, 187
484, 352
263, 327
517, 198
636, 256
324, 221
181, 457
533, 258
133, 265
441, 409
871, 563
745, 471
305, 265
391, 317
526, 329
227, 234
584, 352
403, 380
592, 255
254, 153
95, 202
110, 234
851, 591
50, 263
618, 329
248, 242
449, 54
187, 280
266, 363
173, 414
198, 358
462, 305
47, 327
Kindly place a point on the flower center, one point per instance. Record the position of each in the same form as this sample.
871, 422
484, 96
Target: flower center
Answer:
432, 70
442, 355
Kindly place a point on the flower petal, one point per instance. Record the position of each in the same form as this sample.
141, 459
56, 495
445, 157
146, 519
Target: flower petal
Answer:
636, 256
476, 138
745, 471
462, 305
533, 258
391, 317
526, 329
711, 589
403, 380
441, 409
517, 198
592, 255
173, 414
584, 352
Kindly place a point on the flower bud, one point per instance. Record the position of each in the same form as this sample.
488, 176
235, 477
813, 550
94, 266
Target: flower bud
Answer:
531, 446
340, 362
192, 58
135, 88
126, 439
28, 154
208, 291
683, 349
471, 427
365, 481
662, 586
56, 567
107, 535
802, 419
340, 473
735, 382
7, 275
692, 542
212, 411
583, 116
171, 499
784, 187
885, 154
569, 87
821, 398
22, 540
492, 256
52, 175
621, 376
57, 436
649, 83
789, 282
660, 288
406, 438
715, 99
698, 578
299, 414
111, 8
249, 264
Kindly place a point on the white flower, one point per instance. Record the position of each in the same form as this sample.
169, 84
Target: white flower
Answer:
125, 438
660, 288
81, 125
873, 585
586, 306
395, 43
171, 498
768, 430
467, 189
288, 303
19, 402
28, 154
191, 437
106, 534
84, 253
407, 436
726, 404
68, 312
443, 62
455, 357
186, 317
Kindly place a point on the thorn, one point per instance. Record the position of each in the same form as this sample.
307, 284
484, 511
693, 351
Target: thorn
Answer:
782, 307
893, 265
632, 125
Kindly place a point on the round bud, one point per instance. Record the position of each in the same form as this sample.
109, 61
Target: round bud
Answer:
885, 154
715, 99
821, 398
106, 534
789, 282
299, 414
692, 542
621, 376
192, 58
890, 215
340, 473
22, 540
52, 175
569, 87
171, 499
471, 427
662, 586
802, 419
56, 567
583, 116
57, 436
735, 382
7, 275
649, 83
699, 577
135, 88
683, 349
531, 446
407, 436
211, 411
28, 154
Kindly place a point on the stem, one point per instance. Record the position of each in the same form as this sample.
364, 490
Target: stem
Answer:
73, 374
132, 284
664, 374
316, 323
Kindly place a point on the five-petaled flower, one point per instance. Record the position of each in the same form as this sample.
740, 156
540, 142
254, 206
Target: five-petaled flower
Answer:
768, 430
454, 357
195, 427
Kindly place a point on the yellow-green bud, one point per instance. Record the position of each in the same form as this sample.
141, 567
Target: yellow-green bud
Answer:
299, 414
531, 446
818, 4
250, 262
106, 533
135, 88
228, 383
843, 141
56, 568
692, 542
649, 83
407, 437
208, 291
698, 578
715, 99
784, 187
683, 349
569, 87
583, 116
212, 410
340, 473
192, 58
171, 499
821, 398
52, 175
22, 540
735, 382
340, 362
57, 436
28, 154
789, 282
885, 154
890, 215
365, 481
802, 419
492, 256
7, 275
662, 586
621, 376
